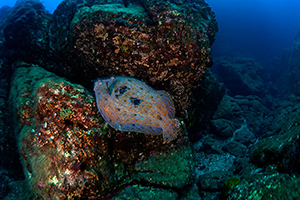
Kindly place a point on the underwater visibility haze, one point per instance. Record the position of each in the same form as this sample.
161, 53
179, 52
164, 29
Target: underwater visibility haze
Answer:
149, 99
259, 28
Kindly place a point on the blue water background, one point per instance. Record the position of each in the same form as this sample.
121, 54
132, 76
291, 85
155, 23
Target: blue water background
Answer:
261, 29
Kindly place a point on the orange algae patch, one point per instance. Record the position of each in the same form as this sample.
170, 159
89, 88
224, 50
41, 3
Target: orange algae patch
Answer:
128, 104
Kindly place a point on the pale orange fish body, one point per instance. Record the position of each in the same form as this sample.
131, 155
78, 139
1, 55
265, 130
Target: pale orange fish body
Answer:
128, 104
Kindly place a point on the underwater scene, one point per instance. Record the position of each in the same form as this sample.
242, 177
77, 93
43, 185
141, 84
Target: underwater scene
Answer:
149, 100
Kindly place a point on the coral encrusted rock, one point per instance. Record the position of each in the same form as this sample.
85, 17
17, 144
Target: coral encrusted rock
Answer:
165, 44
69, 152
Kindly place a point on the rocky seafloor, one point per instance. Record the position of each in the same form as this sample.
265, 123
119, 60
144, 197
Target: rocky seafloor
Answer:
239, 132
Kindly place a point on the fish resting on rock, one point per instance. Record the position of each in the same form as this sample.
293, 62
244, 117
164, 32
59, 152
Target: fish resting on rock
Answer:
128, 104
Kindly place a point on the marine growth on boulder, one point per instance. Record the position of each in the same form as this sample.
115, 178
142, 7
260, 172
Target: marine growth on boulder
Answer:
166, 45
148, 56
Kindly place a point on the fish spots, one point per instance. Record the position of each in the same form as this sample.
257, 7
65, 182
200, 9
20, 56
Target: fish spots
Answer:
135, 101
159, 117
135, 106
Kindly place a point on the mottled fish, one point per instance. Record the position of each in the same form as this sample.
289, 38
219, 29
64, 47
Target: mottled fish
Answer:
128, 104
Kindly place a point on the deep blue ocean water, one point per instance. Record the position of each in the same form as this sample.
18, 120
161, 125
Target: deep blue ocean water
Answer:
261, 29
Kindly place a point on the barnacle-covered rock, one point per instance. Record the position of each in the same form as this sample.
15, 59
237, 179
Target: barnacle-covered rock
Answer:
165, 44
68, 151
61, 150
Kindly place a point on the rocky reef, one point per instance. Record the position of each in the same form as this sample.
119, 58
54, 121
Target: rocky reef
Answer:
243, 76
67, 149
165, 44
251, 148
238, 134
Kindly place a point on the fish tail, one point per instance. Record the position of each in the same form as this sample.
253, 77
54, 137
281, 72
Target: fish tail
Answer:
170, 132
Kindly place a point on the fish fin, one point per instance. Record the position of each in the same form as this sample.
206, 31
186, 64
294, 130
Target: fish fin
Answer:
102, 85
166, 98
140, 128
123, 121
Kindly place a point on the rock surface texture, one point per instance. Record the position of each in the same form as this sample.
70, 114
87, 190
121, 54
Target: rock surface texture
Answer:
67, 149
233, 140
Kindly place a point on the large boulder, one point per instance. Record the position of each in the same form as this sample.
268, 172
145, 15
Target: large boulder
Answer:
282, 142
68, 150
238, 114
241, 76
244, 76
165, 44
